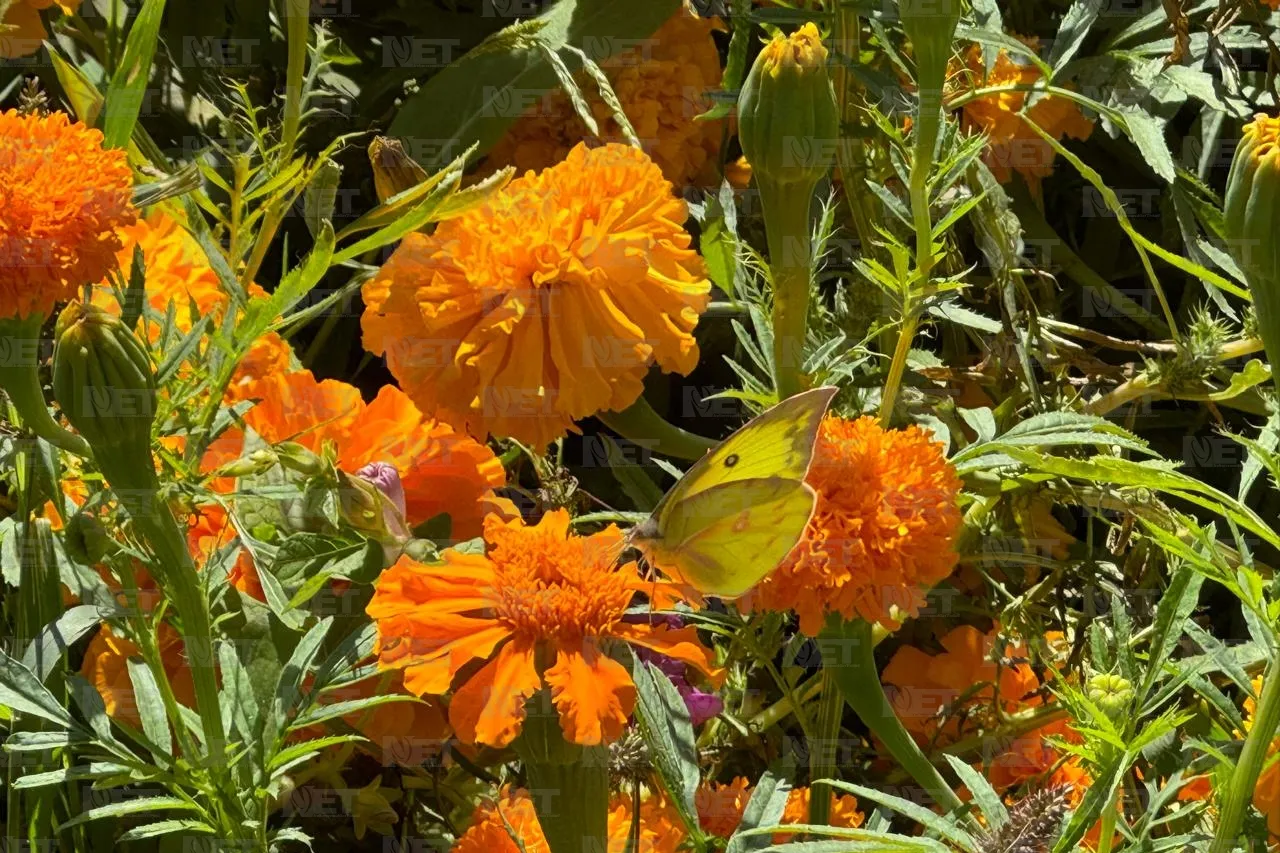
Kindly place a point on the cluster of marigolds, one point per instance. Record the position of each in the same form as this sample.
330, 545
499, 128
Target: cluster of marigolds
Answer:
492, 327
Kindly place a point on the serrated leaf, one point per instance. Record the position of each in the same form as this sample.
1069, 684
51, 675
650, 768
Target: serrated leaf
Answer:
663, 719
131, 806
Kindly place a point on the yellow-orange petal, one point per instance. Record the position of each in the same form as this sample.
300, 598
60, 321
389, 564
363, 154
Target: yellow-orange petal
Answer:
489, 708
593, 693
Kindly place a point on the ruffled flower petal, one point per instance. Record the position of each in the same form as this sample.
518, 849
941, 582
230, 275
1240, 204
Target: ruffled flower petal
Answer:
593, 693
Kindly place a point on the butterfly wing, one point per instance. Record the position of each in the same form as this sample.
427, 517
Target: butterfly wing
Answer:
776, 443
726, 539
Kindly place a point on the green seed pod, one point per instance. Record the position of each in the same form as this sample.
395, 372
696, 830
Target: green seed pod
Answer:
103, 380
86, 539
1252, 218
788, 121
1112, 693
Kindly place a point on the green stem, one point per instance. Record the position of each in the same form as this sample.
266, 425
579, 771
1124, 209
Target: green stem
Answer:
20, 379
848, 649
786, 222
1239, 789
569, 784
640, 423
823, 751
918, 285
297, 28
138, 489
1107, 831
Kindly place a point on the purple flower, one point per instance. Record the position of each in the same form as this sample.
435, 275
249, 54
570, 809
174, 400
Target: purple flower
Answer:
702, 706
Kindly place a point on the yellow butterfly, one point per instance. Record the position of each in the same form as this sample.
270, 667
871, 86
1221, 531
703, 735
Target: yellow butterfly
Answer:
734, 516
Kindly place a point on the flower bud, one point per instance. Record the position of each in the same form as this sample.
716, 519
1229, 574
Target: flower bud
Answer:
103, 380
258, 462
299, 459
787, 114
394, 171
1112, 693
1252, 216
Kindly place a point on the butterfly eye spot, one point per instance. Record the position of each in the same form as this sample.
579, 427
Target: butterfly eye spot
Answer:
731, 460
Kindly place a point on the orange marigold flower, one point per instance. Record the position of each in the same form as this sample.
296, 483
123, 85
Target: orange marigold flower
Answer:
441, 470
537, 587
547, 303
208, 531
720, 808
927, 684
513, 814
178, 272
882, 532
661, 86
62, 197
106, 668
1012, 144
22, 31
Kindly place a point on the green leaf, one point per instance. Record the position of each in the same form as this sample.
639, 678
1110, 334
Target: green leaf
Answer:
95, 770
47, 651
151, 710
135, 294
85, 98
164, 827
1100, 795
476, 98
309, 747
1073, 30
719, 240
294, 672
984, 796
930, 820
1148, 134
129, 83
22, 691
768, 802
131, 806
663, 719
320, 713
1176, 606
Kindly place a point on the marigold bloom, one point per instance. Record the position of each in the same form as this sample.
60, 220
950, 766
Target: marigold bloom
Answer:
22, 31
489, 832
537, 587
62, 197
926, 684
546, 304
1012, 144
660, 85
882, 532
178, 272
441, 470
720, 808
106, 668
